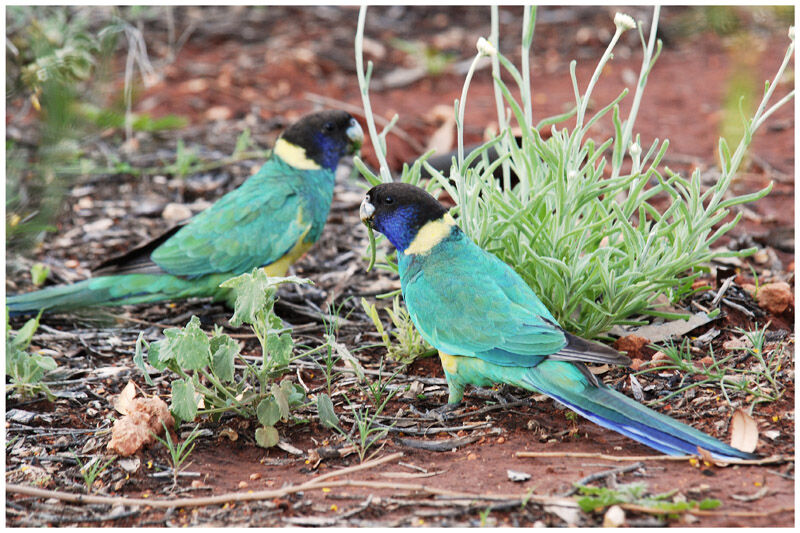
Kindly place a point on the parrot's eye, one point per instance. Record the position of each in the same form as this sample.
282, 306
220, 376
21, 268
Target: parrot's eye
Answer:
388, 200
328, 127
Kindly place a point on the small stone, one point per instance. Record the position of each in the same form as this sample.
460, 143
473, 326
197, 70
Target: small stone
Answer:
749, 288
707, 361
196, 484
660, 356
243, 484
775, 297
761, 257
219, 112
636, 363
176, 212
614, 517
631, 344
255, 476
501, 440
472, 457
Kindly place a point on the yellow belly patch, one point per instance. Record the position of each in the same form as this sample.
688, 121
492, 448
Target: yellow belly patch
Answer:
449, 362
281, 266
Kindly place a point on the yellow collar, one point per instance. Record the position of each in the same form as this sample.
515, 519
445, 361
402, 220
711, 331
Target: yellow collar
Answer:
294, 155
430, 235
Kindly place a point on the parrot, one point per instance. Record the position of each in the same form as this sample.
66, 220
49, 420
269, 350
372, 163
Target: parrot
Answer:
269, 221
489, 327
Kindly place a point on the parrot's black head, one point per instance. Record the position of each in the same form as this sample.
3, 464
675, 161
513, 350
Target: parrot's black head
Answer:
401, 211
320, 139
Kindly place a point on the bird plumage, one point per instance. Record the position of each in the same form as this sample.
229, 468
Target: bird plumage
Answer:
490, 327
269, 221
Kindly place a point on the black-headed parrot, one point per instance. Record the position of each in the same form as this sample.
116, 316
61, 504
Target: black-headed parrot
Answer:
490, 327
269, 221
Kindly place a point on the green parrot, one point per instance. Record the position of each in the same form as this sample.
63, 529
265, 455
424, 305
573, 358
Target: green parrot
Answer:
271, 220
489, 327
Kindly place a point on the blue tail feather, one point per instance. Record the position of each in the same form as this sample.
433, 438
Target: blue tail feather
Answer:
613, 410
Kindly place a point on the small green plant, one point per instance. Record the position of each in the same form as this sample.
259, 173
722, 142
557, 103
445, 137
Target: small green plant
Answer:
484, 516
378, 391
92, 470
368, 431
206, 370
758, 380
23, 369
405, 344
585, 234
597, 499
39, 273
178, 453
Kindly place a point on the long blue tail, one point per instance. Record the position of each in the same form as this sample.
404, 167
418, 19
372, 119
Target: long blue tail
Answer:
608, 408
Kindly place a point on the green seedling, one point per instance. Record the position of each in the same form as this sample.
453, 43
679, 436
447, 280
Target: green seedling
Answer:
92, 470
178, 453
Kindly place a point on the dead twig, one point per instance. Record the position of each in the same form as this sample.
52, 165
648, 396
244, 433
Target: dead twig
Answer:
203, 501
600, 475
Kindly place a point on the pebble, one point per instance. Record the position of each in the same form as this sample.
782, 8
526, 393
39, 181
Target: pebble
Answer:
775, 297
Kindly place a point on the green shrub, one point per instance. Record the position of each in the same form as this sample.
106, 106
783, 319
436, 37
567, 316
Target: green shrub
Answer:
595, 249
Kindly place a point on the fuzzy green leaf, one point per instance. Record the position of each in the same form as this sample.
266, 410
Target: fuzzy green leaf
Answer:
325, 410
184, 400
191, 346
267, 436
253, 291
223, 351
268, 412
281, 398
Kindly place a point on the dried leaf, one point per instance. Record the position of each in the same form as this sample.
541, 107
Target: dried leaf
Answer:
667, 330
123, 402
744, 431
134, 430
232, 435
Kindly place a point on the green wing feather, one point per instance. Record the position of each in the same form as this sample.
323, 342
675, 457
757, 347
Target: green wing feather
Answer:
234, 235
467, 302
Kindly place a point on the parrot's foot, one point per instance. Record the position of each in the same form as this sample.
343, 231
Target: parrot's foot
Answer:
502, 394
443, 412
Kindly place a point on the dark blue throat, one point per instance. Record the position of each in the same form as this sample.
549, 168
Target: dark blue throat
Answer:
400, 226
328, 152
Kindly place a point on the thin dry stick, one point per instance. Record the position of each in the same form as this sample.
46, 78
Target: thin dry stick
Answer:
208, 500
773, 459
318, 483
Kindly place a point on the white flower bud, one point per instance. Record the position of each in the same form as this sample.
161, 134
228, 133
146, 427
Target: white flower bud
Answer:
791, 33
624, 22
486, 48
635, 150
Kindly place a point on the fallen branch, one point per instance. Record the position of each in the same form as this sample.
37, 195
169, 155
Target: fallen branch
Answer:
600, 475
198, 502
317, 483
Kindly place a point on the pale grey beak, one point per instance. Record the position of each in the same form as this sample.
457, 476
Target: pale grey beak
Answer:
366, 211
355, 134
